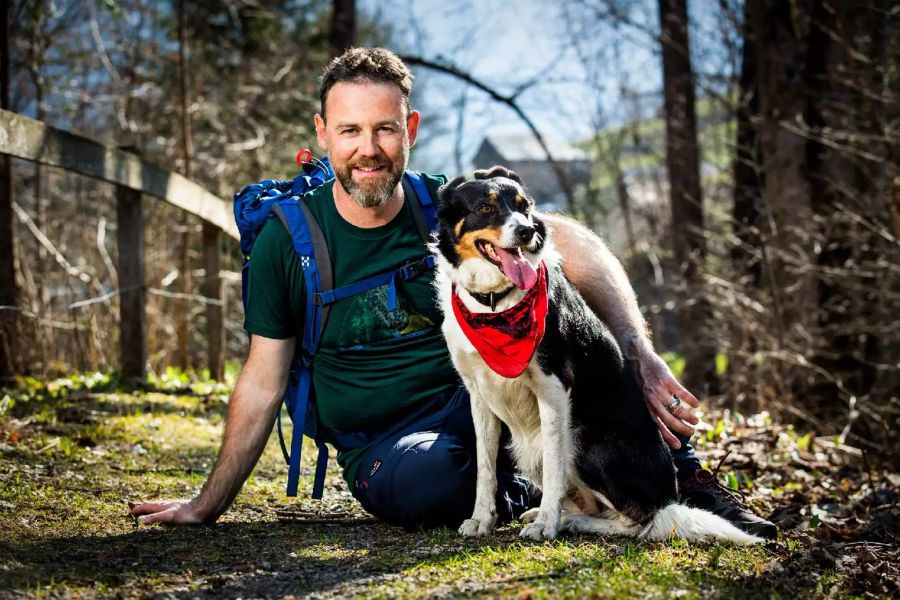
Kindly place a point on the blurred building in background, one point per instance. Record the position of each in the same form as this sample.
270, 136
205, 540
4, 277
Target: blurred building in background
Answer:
521, 152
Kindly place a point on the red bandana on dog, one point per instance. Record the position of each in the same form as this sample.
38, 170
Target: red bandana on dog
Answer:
507, 340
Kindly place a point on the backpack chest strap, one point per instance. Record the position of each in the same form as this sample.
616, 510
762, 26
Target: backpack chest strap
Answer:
407, 271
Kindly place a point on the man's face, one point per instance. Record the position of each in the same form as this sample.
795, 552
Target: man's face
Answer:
367, 136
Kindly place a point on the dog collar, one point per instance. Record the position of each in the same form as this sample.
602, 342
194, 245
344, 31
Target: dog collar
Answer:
507, 340
491, 298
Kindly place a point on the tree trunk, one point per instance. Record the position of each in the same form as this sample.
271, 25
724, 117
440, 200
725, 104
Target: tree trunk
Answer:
40, 211
342, 36
746, 216
886, 186
844, 98
182, 324
781, 34
9, 292
686, 200
830, 195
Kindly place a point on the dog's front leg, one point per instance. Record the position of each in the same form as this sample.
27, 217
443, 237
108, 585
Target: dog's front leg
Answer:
553, 404
487, 442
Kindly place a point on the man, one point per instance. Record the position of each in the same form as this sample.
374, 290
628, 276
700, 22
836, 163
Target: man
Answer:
383, 377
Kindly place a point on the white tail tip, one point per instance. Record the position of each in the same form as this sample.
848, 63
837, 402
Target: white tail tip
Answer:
694, 525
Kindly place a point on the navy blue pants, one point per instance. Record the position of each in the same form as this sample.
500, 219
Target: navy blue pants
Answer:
421, 474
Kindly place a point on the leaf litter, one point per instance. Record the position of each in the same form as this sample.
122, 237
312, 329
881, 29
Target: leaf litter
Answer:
71, 465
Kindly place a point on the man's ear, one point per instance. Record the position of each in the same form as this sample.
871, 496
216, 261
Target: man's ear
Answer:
412, 126
320, 132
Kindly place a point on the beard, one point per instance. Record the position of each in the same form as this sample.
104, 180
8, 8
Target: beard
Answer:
374, 191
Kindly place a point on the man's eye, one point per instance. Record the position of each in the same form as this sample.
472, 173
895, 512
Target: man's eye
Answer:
486, 209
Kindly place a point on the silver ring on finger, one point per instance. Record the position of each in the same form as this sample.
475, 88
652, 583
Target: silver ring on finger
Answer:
675, 403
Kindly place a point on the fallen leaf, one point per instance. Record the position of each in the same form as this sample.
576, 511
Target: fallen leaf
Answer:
526, 594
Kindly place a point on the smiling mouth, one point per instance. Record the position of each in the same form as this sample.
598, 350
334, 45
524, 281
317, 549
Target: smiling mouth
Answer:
369, 170
511, 262
489, 252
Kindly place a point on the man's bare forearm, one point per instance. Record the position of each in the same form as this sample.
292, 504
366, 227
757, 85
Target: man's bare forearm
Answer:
252, 411
602, 281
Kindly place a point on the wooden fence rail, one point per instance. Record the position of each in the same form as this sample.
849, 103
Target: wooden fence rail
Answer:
32, 140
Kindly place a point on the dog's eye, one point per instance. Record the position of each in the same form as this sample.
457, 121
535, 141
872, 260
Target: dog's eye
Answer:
486, 209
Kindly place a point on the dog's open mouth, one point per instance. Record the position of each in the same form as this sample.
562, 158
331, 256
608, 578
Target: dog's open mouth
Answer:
511, 261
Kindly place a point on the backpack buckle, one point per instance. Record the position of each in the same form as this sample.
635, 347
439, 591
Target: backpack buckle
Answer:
317, 299
414, 268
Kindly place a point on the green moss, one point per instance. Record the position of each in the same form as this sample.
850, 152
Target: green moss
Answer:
76, 452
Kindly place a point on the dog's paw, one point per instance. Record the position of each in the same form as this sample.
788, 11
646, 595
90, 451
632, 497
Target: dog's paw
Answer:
539, 530
476, 527
529, 515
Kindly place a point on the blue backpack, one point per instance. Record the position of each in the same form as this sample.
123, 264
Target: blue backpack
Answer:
253, 207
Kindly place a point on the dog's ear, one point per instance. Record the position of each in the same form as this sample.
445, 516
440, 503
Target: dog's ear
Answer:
445, 205
497, 171
447, 188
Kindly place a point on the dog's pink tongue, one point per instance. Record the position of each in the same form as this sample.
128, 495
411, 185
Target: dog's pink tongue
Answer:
517, 268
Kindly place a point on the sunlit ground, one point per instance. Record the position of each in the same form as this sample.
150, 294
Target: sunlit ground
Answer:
73, 453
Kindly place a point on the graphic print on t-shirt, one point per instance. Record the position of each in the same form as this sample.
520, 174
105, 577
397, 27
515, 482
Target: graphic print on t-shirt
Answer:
367, 320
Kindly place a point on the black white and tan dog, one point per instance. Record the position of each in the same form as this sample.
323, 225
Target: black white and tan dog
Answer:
534, 356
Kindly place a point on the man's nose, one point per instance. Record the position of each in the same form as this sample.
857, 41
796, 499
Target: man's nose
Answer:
524, 233
369, 145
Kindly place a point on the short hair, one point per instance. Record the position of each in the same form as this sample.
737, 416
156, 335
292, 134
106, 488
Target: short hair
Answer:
366, 64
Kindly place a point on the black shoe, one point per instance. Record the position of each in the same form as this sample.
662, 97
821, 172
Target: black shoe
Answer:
703, 490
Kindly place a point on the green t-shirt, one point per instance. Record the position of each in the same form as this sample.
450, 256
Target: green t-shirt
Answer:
373, 366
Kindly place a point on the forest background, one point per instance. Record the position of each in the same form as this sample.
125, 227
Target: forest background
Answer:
743, 154
744, 167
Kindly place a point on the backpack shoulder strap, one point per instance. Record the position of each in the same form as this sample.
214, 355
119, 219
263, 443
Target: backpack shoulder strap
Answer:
323, 258
424, 211
309, 243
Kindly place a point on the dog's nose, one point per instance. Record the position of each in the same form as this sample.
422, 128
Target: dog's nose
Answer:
524, 233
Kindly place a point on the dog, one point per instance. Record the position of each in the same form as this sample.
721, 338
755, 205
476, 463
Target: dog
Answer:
534, 356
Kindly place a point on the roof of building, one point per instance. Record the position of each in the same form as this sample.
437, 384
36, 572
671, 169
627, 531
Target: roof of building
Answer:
514, 146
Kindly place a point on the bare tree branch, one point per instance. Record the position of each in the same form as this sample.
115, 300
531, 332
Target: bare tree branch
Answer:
73, 271
510, 101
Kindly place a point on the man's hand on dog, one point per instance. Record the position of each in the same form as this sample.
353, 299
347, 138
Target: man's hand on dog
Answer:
168, 512
659, 386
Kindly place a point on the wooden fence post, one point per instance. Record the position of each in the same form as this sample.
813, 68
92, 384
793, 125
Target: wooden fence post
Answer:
133, 295
212, 289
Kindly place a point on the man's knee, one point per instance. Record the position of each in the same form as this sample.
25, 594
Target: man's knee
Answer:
427, 480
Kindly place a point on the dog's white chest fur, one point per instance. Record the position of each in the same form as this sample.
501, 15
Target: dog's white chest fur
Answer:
513, 401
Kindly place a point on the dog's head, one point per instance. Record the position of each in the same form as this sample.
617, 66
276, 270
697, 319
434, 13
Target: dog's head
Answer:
487, 231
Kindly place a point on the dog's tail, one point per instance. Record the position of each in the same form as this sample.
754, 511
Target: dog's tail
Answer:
693, 524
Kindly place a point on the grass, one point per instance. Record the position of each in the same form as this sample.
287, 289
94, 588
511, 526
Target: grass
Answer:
74, 452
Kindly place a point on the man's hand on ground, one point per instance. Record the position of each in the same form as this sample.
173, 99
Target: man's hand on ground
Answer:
659, 385
169, 512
